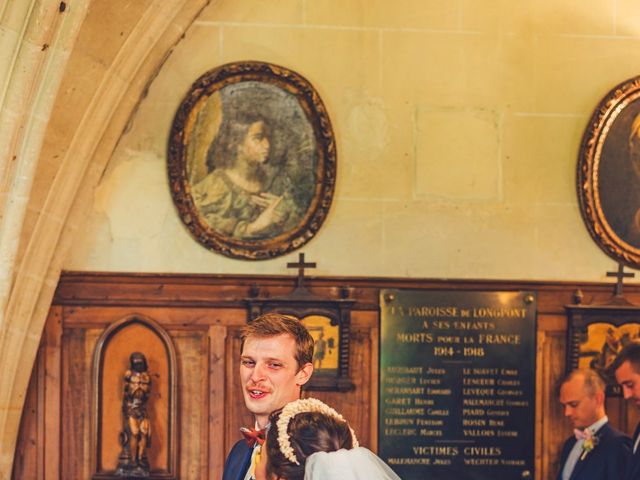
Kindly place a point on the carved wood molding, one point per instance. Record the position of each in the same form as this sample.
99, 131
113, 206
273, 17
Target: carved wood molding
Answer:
230, 291
164, 472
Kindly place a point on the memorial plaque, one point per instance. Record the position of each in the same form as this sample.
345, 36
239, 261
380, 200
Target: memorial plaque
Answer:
457, 384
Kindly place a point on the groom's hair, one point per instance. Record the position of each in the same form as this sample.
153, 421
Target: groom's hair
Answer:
593, 382
273, 324
309, 432
629, 353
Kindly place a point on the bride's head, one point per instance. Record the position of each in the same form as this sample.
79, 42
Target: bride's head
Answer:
299, 430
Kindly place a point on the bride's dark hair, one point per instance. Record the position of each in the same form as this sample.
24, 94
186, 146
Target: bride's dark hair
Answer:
309, 432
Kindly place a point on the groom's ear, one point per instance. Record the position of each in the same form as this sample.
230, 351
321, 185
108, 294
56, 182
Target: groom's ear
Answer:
600, 397
304, 374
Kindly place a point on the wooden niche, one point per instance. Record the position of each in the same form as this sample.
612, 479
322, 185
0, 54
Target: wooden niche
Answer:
111, 361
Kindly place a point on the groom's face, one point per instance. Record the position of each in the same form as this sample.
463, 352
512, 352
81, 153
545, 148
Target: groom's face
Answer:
580, 407
270, 374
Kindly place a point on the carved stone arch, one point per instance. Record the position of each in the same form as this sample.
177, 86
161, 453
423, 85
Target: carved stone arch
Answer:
134, 333
104, 87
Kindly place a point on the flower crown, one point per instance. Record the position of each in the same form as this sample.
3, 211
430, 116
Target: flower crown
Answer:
306, 405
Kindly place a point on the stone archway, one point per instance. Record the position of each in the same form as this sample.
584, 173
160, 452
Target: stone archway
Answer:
74, 74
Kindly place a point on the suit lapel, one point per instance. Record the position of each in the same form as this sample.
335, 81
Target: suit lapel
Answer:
579, 465
584, 459
245, 464
566, 449
633, 467
238, 462
635, 436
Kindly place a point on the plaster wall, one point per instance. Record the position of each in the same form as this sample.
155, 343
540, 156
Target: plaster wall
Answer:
458, 124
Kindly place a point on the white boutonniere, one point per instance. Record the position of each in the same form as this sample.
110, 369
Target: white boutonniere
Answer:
589, 444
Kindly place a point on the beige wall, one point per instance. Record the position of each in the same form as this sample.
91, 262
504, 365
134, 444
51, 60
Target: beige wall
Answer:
458, 124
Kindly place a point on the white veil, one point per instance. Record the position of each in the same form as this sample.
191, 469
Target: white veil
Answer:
355, 464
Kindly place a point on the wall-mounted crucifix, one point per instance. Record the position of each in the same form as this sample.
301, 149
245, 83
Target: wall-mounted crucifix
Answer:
327, 319
301, 265
620, 275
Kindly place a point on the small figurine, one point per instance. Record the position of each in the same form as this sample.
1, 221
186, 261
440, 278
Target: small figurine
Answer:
135, 437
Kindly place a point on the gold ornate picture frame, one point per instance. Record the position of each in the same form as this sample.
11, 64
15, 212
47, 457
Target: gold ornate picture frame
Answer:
609, 174
252, 160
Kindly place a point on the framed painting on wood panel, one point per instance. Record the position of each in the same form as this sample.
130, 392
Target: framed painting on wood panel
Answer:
609, 173
327, 320
596, 333
252, 160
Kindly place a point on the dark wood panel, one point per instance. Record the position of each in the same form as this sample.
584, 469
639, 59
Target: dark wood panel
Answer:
28, 454
217, 399
192, 355
204, 314
555, 428
99, 316
75, 460
236, 415
229, 290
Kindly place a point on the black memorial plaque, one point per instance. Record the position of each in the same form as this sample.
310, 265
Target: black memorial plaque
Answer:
457, 384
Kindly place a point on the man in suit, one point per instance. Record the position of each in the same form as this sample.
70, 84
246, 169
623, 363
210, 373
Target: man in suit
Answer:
626, 367
596, 451
276, 360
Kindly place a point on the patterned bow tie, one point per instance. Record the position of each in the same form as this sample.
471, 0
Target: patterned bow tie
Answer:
251, 435
582, 434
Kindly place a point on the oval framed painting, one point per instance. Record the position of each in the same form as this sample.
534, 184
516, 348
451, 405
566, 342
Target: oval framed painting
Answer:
252, 160
609, 174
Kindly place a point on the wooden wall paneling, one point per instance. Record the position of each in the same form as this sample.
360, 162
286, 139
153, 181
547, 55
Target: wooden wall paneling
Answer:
92, 336
542, 354
538, 443
212, 306
552, 322
51, 387
192, 351
40, 385
171, 315
632, 416
79, 288
236, 415
38, 453
28, 461
374, 337
617, 412
354, 405
555, 429
77, 353
217, 335
364, 364
74, 384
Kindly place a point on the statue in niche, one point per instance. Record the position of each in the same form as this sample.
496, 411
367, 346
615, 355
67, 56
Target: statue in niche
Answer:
135, 437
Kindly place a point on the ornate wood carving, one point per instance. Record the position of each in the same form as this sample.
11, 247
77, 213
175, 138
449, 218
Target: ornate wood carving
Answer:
113, 349
202, 314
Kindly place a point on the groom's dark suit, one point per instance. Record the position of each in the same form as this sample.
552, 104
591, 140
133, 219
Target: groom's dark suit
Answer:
238, 461
633, 468
607, 461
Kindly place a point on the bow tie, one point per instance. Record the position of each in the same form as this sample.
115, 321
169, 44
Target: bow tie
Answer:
251, 435
582, 434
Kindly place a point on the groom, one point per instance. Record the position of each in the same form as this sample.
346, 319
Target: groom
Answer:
596, 451
275, 362
626, 367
